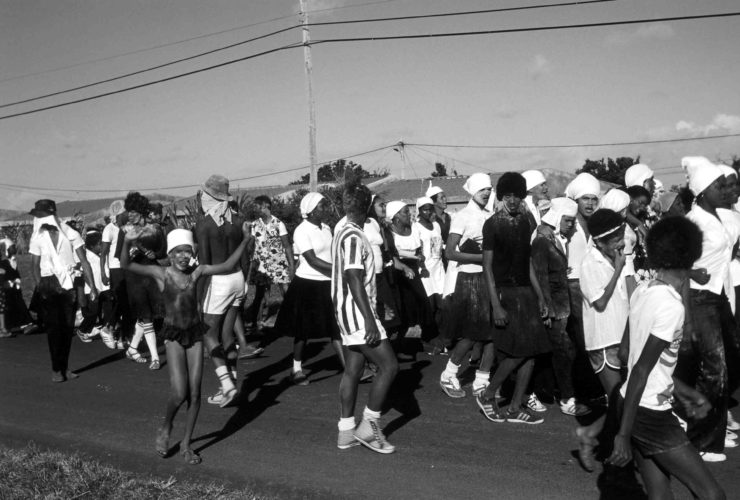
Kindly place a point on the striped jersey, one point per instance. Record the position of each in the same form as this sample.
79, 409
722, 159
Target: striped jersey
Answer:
350, 249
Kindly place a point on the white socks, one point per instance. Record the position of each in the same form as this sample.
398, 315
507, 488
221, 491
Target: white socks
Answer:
346, 424
151, 339
138, 334
297, 366
224, 378
481, 378
369, 414
450, 370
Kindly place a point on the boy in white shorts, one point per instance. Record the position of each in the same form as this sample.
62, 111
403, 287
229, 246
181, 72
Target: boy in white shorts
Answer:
363, 337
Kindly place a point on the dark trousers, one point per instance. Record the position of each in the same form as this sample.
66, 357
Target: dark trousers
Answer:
586, 383
119, 296
702, 363
57, 309
563, 354
98, 310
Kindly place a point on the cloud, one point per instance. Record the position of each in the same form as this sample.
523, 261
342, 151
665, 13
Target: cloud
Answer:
539, 66
683, 129
657, 31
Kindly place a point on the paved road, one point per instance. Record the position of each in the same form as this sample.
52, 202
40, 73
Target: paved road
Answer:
281, 438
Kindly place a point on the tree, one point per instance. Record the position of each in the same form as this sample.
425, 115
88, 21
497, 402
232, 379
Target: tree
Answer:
439, 170
339, 171
609, 170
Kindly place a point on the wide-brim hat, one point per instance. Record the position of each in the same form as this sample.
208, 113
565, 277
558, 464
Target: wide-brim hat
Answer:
217, 186
44, 208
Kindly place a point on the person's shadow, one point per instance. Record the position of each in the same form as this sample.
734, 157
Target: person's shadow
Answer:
402, 398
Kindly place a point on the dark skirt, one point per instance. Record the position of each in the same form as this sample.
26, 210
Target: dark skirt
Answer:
307, 311
387, 304
469, 311
414, 307
524, 336
186, 337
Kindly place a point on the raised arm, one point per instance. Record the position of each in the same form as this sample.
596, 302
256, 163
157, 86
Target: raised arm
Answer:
233, 259
600, 303
130, 237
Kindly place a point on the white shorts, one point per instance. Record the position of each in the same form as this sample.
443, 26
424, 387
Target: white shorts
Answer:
224, 291
358, 337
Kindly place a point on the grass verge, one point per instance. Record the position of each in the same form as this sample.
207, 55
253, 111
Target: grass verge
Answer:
33, 473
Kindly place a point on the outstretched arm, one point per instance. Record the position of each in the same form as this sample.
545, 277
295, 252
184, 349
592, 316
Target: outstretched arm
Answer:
155, 272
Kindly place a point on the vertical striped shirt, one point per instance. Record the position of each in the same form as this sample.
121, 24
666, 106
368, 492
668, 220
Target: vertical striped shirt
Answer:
350, 249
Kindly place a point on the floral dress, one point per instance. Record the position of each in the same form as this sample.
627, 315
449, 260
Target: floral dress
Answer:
269, 252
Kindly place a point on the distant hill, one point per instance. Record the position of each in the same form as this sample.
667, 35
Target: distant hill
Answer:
10, 214
89, 209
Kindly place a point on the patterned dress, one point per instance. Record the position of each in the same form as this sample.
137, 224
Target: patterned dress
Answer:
269, 252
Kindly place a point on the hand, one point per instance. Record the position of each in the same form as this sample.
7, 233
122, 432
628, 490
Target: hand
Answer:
619, 260
94, 294
622, 454
247, 230
372, 335
694, 403
700, 276
407, 272
424, 272
544, 311
547, 322
149, 255
500, 316
197, 272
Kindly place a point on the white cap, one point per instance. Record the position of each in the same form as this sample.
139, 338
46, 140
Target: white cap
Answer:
433, 190
583, 185
534, 178
309, 202
393, 207
615, 199
424, 200
637, 174
178, 237
701, 172
726, 170
476, 182
560, 207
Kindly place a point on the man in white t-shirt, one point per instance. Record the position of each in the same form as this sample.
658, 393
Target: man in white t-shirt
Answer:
648, 423
112, 275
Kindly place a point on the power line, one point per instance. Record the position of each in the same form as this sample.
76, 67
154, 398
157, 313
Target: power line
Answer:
147, 49
463, 13
561, 146
147, 84
351, 6
152, 68
523, 30
37, 189
448, 158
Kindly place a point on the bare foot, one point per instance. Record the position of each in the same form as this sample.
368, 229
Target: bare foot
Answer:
162, 442
71, 375
191, 457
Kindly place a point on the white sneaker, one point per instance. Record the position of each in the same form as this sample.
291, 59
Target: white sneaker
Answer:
732, 424
478, 389
730, 443
708, 456
730, 435
94, 332
451, 386
570, 407
534, 404
85, 337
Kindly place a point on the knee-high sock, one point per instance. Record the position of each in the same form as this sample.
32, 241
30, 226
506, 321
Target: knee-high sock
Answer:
151, 340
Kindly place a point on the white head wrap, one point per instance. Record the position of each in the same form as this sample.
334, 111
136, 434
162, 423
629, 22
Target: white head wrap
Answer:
727, 171
559, 208
393, 207
659, 185
424, 200
309, 202
615, 199
534, 178
217, 209
584, 184
701, 172
178, 237
637, 174
476, 182
433, 190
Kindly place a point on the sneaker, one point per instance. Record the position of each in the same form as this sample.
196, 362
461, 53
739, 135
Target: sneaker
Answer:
708, 456
730, 443
94, 332
479, 389
570, 407
85, 337
732, 424
730, 435
120, 344
451, 386
299, 378
107, 337
534, 404
490, 409
216, 398
522, 416
346, 439
369, 434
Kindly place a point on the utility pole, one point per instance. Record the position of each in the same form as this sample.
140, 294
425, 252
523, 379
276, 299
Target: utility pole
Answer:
313, 180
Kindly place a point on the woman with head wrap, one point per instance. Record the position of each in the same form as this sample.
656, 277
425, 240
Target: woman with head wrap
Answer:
515, 299
550, 262
536, 192
619, 201
467, 311
17, 317
307, 311
701, 361
439, 198
432, 247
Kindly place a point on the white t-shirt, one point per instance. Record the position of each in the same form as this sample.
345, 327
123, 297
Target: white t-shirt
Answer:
606, 328
94, 261
716, 251
656, 310
57, 261
431, 248
110, 235
577, 248
468, 223
407, 245
374, 237
308, 236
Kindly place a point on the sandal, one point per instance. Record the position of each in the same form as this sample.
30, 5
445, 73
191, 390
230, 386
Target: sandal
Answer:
134, 355
191, 457
154, 365
161, 443
586, 445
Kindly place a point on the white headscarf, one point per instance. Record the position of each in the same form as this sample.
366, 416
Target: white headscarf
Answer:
476, 182
217, 209
637, 174
179, 237
393, 207
584, 184
701, 172
534, 178
615, 199
433, 190
726, 170
424, 200
309, 202
559, 208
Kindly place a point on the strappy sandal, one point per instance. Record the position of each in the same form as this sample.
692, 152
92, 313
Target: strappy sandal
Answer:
134, 355
161, 444
191, 458
154, 365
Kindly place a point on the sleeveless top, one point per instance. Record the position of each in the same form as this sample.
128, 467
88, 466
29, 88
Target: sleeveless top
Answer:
181, 323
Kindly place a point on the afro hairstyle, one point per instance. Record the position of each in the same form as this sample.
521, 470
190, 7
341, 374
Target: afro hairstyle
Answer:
136, 202
511, 183
356, 199
674, 243
604, 220
92, 238
638, 191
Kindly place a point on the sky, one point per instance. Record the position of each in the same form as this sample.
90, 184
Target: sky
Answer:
248, 120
